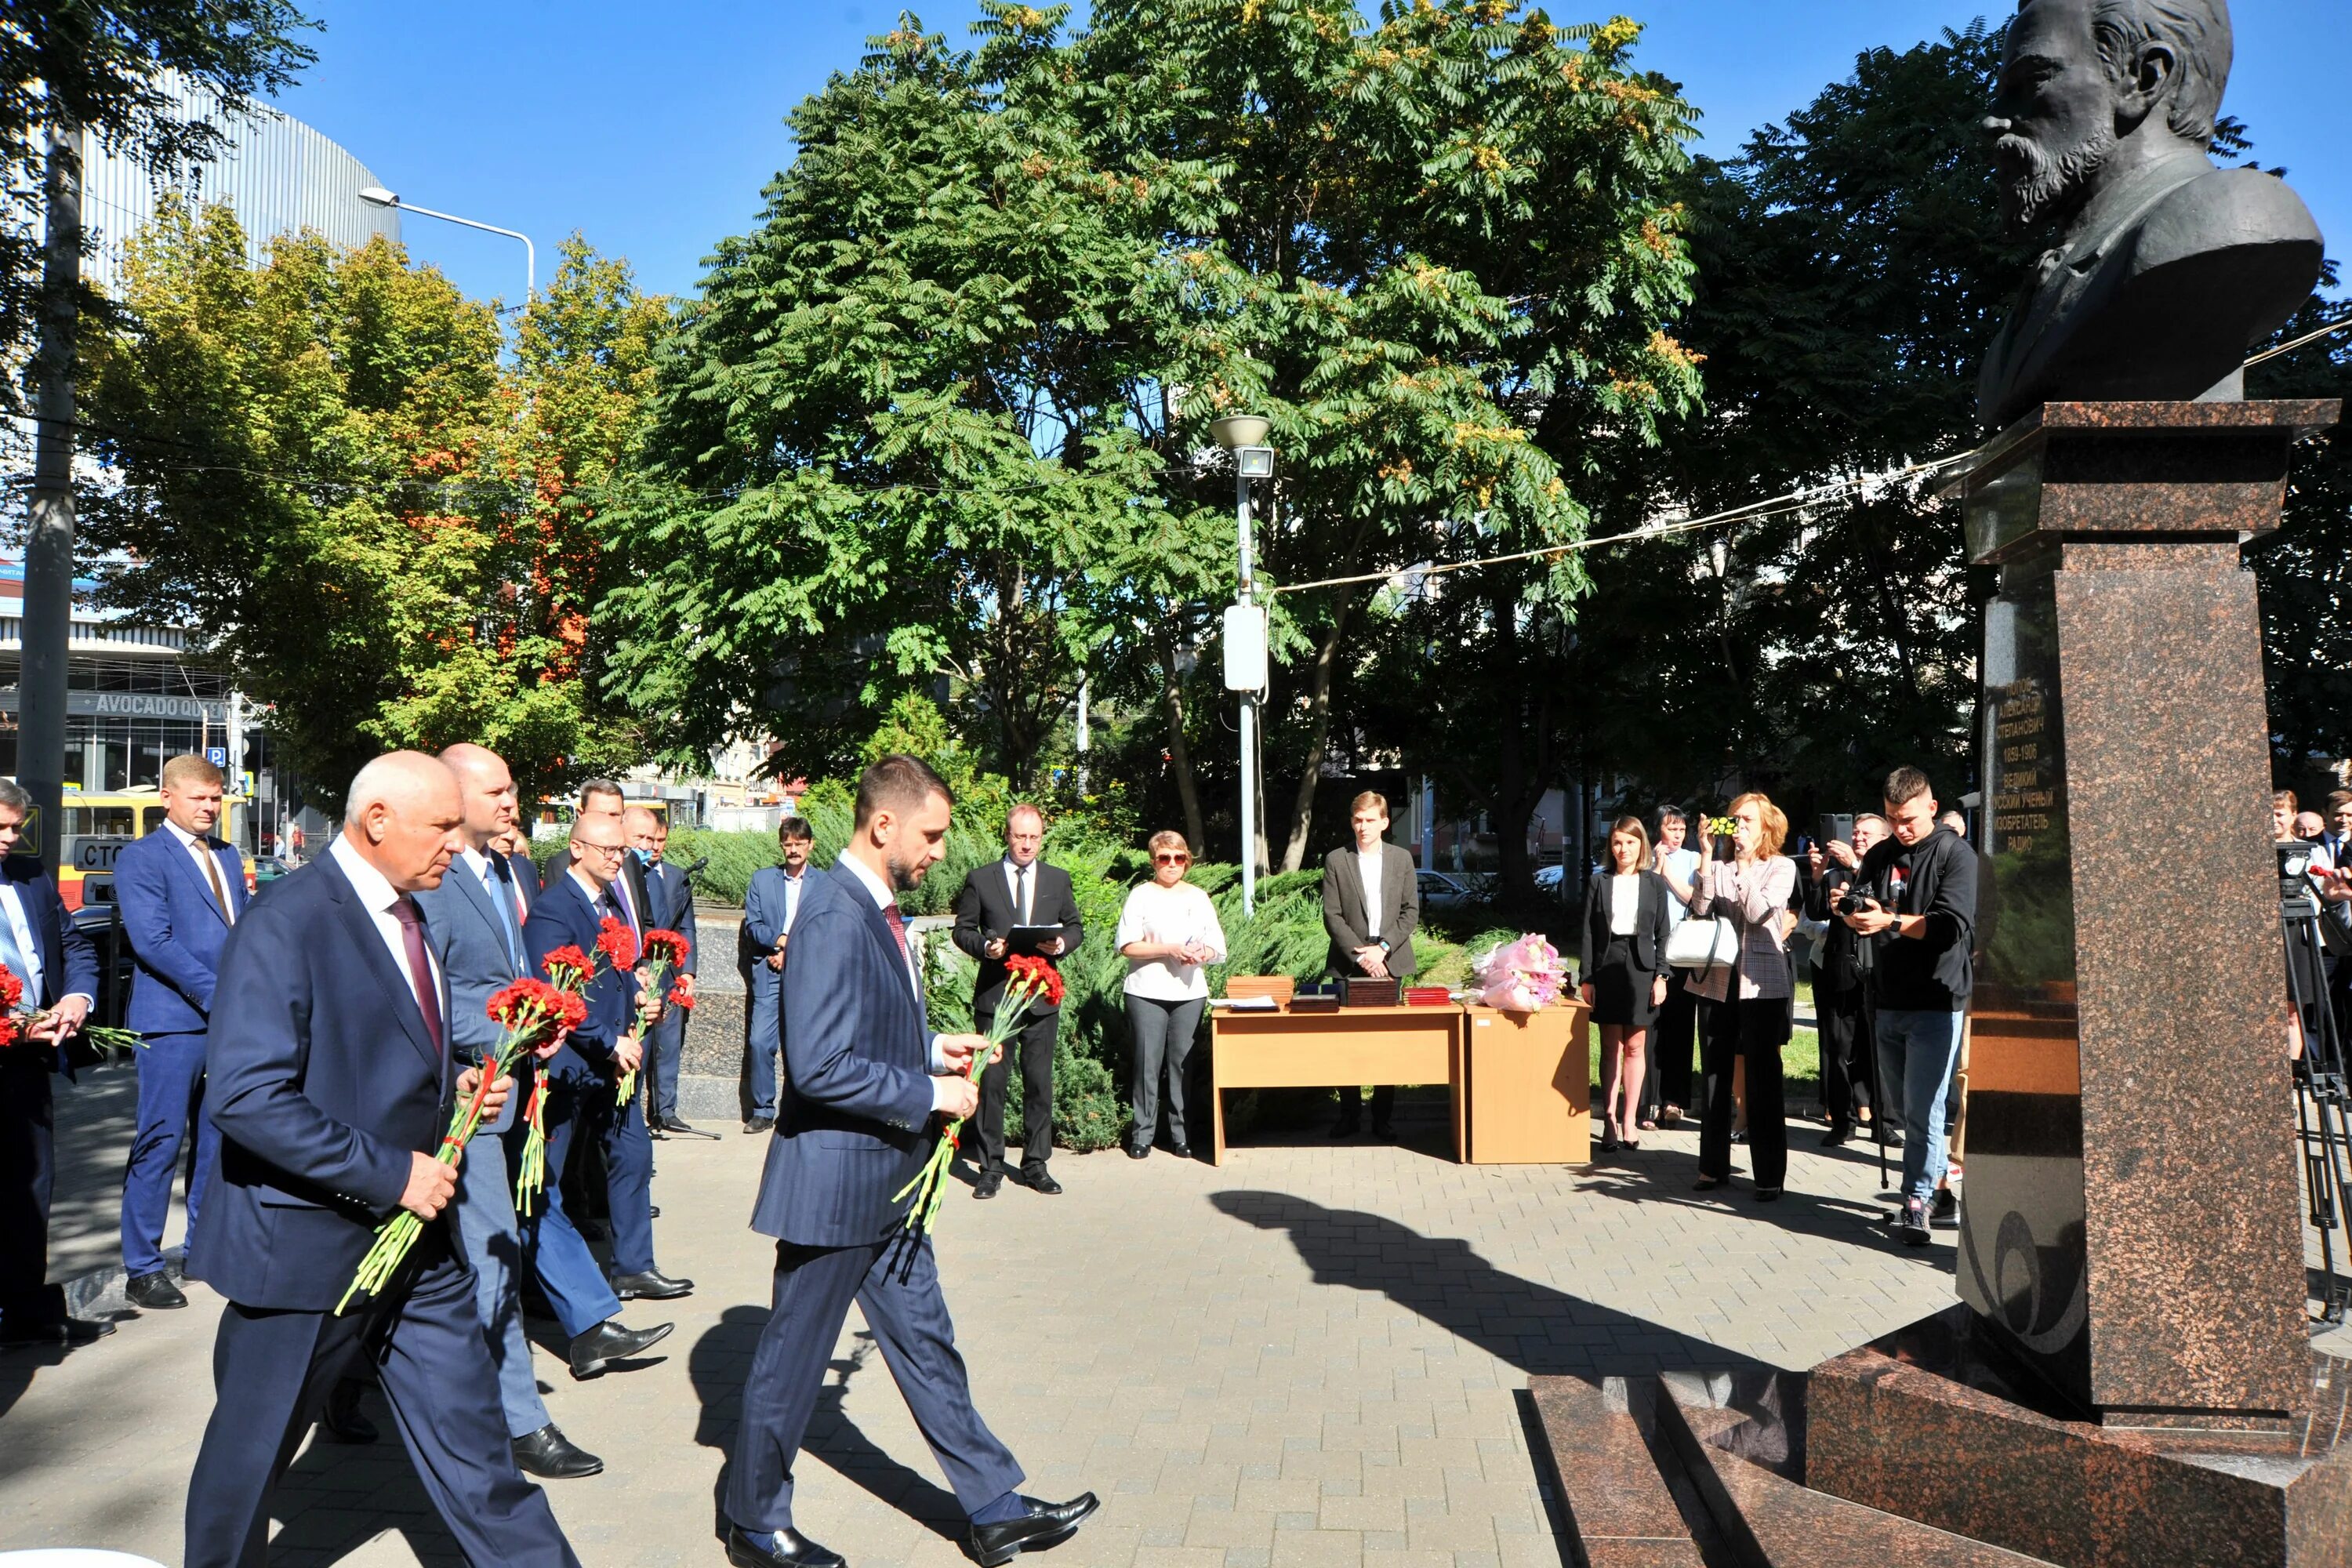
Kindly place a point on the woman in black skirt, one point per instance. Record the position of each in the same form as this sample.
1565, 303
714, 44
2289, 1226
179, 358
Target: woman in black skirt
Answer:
1624, 971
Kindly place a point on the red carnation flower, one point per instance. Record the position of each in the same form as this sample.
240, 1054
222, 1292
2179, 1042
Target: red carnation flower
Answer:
617, 943
664, 946
568, 967
681, 998
575, 1009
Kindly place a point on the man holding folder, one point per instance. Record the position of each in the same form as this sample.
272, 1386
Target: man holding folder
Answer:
1018, 905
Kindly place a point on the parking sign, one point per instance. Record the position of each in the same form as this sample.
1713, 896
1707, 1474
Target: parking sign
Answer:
216, 755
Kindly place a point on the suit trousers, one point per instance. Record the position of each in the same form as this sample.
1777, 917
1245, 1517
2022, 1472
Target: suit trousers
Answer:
272, 1372
1035, 1041
493, 1248
1670, 1047
1849, 1051
1752, 1031
568, 1272
764, 1038
895, 1283
584, 1108
28, 1176
664, 1047
170, 1098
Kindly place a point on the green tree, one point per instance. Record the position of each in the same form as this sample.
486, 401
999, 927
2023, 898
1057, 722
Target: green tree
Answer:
945, 417
320, 464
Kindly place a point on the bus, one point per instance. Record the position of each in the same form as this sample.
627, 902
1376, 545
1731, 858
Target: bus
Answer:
97, 827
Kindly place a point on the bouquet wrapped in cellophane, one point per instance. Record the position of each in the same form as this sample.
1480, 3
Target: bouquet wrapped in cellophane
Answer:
527, 1013
1026, 980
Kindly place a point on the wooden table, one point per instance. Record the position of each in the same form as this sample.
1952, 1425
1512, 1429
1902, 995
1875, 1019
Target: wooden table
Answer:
1283, 1049
1528, 1100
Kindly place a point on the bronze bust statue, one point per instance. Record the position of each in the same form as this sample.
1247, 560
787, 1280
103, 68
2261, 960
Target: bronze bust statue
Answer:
2167, 268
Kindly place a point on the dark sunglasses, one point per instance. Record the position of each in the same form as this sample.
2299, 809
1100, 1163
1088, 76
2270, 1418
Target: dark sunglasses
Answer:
1169, 857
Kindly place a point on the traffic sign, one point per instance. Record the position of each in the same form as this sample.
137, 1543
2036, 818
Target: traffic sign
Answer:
216, 755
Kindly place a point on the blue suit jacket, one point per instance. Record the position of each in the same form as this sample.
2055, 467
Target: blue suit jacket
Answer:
672, 897
323, 1081
764, 902
562, 915
475, 959
175, 929
858, 1089
67, 959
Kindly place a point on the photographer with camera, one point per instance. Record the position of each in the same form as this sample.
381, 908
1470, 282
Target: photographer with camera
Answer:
1918, 890
1843, 978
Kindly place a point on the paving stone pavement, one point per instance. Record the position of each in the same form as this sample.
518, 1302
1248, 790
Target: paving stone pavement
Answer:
1315, 1355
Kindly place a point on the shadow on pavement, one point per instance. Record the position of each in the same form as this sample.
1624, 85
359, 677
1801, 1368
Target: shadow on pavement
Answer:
1657, 1177
1532, 1326
722, 1360
337, 1497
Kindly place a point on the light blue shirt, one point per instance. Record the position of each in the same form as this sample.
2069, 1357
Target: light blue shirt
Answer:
1684, 864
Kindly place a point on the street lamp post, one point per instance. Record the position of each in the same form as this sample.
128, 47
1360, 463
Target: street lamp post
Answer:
377, 196
1245, 651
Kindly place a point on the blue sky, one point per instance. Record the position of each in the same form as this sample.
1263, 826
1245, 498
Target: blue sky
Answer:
652, 129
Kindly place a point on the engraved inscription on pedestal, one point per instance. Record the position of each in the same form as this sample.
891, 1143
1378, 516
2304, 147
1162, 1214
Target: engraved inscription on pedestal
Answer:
2021, 1262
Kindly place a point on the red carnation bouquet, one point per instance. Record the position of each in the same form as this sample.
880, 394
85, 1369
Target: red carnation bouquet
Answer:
663, 951
528, 1013
16, 1027
568, 972
1026, 980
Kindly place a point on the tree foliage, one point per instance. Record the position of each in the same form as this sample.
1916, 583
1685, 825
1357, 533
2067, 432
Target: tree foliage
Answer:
104, 68
321, 465
942, 421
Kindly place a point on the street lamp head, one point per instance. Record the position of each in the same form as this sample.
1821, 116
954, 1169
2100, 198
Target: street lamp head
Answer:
377, 196
1235, 431
1254, 462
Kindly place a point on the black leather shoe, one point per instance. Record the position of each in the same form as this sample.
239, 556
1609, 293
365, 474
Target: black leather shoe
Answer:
784, 1548
1383, 1129
1346, 1127
548, 1452
1944, 1214
342, 1422
1181, 1151
761, 1124
653, 1285
1040, 1181
64, 1332
990, 1182
1045, 1524
1139, 1151
1839, 1134
607, 1342
155, 1292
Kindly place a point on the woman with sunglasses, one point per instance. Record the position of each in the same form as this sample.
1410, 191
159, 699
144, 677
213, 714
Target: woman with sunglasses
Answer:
1169, 934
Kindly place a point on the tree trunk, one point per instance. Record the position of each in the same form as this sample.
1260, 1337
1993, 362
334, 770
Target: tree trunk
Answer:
1179, 756
1318, 719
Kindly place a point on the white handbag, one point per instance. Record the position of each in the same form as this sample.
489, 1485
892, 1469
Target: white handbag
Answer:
1703, 944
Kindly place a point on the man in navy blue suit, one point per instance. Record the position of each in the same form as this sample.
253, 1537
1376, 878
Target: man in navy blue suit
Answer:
669, 905
770, 904
476, 921
864, 1076
179, 890
59, 972
331, 1080
583, 1086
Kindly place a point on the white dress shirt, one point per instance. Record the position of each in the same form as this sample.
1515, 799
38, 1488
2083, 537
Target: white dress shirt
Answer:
886, 899
494, 887
1624, 903
200, 850
1023, 882
377, 895
1368, 867
1180, 915
792, 888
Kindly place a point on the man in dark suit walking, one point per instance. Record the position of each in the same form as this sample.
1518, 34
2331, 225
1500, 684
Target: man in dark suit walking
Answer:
475, 920
1372, 907
58, 969
330, 1067
669, 906
864, 1076
583, 1078
1018, 890
179, 890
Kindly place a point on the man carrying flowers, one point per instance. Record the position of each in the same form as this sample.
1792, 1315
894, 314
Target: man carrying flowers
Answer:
577, 911
864, 1077
332, 1085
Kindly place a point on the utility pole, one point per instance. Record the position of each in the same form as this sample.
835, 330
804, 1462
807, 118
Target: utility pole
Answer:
49, 533
1246, 630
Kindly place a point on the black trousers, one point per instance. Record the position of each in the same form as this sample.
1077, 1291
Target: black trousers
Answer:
1849, 1052
1035, 1042
29, 1173
1351, 1104
1753, 1031
1670, 1038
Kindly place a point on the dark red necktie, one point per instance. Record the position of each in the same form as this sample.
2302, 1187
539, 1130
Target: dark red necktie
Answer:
420, 969
897, 929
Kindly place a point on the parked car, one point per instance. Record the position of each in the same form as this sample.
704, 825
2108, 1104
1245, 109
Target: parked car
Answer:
268, 868
1441, 890
1548, 880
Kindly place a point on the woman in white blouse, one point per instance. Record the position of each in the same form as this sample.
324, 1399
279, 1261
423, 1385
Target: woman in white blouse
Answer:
1169, 934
